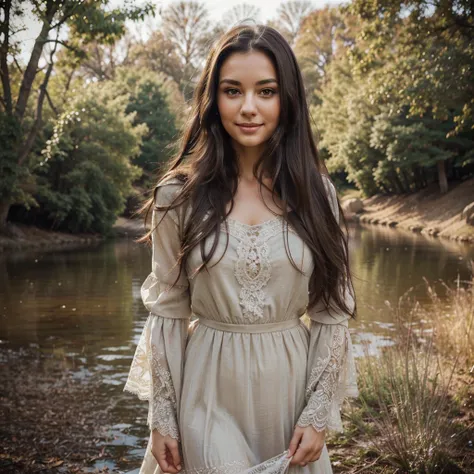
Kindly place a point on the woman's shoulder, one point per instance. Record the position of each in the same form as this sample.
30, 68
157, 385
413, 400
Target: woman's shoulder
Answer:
167, 189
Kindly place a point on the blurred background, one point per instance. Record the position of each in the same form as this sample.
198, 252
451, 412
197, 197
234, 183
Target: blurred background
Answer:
94, 94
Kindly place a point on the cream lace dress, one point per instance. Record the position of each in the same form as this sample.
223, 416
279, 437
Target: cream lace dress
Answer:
227, 365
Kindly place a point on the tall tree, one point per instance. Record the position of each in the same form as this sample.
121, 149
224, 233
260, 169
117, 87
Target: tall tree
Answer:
290, 16
187, 26
86, 21
241, 12
158, 54
432, 53
85, 173
324, 33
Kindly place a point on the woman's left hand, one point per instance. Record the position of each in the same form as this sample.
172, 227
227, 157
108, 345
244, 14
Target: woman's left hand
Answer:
306, 445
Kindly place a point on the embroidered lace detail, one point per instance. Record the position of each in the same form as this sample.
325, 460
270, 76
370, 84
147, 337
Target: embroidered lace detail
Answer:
323, 384
161, 415
253, 266
138, 380
233, 467
150, 379
276, 465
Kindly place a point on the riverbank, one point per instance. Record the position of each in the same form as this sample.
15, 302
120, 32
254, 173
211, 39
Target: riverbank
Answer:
50, 421
426, 211
20, 237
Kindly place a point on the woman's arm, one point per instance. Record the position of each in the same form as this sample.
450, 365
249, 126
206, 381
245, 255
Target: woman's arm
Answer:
331, 373
157, 367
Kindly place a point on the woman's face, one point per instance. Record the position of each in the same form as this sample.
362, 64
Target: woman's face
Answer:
248, 94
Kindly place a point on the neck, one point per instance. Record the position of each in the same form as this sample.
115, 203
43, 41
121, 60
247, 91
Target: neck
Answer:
246, 158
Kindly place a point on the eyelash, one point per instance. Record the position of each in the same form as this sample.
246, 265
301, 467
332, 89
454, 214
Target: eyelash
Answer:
273, 92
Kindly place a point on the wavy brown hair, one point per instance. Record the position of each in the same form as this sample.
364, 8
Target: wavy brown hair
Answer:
206, 165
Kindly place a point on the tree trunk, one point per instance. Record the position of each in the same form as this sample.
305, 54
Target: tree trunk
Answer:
418, 177
443, 180
395, 178
4, 208
4, 46
32, 68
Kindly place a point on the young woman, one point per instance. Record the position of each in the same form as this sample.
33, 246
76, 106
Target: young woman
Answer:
246, 239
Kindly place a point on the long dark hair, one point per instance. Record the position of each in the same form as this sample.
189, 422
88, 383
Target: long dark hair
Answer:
207, 167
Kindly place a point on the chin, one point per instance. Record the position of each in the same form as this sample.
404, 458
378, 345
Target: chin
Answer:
249, 140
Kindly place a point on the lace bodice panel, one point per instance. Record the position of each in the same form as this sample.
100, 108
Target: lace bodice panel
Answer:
253, 281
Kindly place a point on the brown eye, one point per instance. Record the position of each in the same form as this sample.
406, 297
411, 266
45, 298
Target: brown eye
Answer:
268, 92
231, 90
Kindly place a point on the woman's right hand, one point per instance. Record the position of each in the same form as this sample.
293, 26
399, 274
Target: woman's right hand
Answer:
165, 451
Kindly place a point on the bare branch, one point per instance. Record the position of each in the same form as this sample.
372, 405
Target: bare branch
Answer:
63, 43
51, 103
17, 65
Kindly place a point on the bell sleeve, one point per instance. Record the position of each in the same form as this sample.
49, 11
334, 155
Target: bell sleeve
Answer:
331, 373
157, 367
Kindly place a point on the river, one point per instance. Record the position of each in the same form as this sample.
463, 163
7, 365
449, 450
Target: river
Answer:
85, 305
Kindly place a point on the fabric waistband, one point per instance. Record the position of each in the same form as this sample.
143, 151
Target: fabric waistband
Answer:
250, 328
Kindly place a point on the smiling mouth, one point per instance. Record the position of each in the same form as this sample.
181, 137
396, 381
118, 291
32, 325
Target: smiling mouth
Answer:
249, 126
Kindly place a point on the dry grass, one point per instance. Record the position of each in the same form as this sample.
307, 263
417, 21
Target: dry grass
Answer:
413, 414
405, 394
452, 319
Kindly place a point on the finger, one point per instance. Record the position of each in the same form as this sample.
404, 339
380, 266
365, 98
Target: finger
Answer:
301, 455
160, 456
173, 447
316, 454
304, 453
167, 464
295, 441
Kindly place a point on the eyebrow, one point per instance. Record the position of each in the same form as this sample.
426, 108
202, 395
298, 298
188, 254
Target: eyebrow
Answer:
259, 83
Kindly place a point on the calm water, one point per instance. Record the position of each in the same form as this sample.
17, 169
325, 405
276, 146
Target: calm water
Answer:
85, 305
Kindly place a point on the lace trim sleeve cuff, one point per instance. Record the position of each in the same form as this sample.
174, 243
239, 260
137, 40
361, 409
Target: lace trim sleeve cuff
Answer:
332, 379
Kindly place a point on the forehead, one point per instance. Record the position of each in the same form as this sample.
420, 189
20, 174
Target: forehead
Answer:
247, 67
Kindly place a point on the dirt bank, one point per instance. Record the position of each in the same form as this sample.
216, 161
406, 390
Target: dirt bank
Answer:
425, 211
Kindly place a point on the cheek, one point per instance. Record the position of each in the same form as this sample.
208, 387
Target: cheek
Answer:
272, 110
272, 114
226, 108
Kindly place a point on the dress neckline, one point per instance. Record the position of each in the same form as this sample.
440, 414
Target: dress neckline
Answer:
254, 226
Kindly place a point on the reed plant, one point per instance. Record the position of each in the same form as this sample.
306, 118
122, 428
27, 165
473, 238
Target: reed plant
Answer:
451, 317
406, 392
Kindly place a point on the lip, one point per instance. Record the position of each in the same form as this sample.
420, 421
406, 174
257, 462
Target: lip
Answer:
249, 128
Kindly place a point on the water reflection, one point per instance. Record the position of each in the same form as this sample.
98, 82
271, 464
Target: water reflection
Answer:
85, 305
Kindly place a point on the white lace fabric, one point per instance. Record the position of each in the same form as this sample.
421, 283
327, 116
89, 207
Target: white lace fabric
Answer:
332, 376
253, 267
155, 373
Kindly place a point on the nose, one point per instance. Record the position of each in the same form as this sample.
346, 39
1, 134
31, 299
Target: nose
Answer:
249, 107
